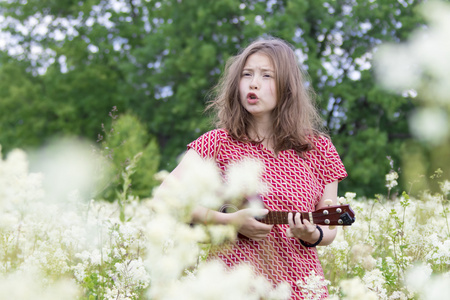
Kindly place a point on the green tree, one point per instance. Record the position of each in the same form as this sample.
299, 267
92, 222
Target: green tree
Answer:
158, 60
127, 138
21, 99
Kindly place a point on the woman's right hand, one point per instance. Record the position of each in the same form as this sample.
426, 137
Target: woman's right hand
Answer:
249, 226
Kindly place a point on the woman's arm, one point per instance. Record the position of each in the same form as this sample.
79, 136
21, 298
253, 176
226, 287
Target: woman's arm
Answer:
244, 219
307, 231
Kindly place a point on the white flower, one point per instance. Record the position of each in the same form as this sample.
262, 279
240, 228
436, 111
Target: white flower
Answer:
396, 68
200, 186
132, 274
213, 281
429, 124
313, 286
398, 295
391, 179
22, 286
350, 196
375, 281
445, 187
361, 254
161, 175
220, 233
244, 179
423, 62
354, 289
421, 282
67, 165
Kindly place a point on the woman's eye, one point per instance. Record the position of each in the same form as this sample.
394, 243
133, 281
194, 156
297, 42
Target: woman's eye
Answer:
246, 74
267, 75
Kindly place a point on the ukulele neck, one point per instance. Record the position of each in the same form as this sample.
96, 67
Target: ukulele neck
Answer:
281, 217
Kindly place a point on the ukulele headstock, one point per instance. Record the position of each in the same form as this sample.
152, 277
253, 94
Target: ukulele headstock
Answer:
341, 215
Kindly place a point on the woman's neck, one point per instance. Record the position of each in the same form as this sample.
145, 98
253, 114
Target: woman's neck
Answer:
264, 132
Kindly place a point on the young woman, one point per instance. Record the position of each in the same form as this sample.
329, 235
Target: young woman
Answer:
265, 111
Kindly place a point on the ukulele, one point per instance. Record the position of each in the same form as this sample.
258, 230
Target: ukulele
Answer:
331, 215
341, 215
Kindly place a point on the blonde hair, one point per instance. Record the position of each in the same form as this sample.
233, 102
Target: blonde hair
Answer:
295, 116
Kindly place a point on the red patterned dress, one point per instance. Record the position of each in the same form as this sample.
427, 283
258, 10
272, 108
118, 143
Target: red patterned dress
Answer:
294, 184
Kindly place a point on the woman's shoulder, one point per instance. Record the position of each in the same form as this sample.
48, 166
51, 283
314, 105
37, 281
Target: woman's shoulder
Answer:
218, 133
325, 159
209, 143
213, 138
319, 142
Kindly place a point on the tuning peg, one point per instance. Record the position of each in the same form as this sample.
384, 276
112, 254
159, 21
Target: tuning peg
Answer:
328, 202
331, 227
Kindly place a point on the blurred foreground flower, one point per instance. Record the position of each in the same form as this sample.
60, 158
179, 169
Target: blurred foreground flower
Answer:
430, 124
87, 247
213, 281
354, 289
174, 247
68, 165
24, 287
419, 280
422, 64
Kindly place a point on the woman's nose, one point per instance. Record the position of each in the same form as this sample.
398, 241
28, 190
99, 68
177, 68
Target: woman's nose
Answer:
254, 83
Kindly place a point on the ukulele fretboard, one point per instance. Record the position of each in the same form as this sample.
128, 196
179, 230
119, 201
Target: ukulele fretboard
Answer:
280, 217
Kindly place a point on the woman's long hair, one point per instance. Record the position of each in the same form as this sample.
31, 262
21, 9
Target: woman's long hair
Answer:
295, 116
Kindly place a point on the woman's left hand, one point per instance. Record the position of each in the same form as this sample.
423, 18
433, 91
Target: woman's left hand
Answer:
304, 231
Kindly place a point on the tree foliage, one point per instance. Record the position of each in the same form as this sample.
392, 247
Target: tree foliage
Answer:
159, 59
127, 138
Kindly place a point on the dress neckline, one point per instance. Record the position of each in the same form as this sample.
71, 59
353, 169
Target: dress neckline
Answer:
262, 147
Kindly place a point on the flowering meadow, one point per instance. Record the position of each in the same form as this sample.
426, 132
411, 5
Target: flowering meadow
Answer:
58, 241
79, 248
72, 247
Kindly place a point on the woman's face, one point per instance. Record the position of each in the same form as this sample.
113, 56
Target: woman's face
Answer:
257, 87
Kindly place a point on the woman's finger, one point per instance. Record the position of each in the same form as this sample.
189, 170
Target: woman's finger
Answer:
298, 221
291, 220
310, 228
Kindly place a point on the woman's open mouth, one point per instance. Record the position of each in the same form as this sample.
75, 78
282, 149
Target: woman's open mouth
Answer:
252, 98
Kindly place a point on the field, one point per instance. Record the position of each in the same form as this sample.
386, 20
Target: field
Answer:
73, 248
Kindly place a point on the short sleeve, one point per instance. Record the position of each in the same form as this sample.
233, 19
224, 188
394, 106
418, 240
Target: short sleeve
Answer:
328, 164
208, 144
